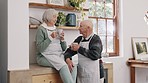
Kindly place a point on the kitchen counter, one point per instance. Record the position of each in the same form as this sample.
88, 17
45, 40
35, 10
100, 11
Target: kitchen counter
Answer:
43, 74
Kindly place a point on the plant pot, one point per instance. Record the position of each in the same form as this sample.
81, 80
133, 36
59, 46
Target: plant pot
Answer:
74, 4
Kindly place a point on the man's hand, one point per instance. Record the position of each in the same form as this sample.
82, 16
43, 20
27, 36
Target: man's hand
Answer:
75, 46
70, 64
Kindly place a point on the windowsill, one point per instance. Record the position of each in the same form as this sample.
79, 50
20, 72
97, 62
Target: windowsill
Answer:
112, 57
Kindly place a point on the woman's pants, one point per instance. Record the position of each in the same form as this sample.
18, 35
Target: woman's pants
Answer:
66, 76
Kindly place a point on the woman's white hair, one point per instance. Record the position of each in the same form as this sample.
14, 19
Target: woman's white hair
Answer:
48, 15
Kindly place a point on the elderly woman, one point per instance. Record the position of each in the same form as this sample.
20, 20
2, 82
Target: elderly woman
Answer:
50, 46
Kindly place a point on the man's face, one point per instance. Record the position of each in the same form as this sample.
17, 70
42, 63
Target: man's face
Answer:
83, 29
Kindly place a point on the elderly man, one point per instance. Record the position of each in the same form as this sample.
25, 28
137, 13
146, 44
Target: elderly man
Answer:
88, 47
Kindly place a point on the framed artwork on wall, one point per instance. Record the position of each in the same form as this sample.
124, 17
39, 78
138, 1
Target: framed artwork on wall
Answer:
140, 48
56, 2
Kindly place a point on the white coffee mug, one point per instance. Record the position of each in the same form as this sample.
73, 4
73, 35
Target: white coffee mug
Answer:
59, 32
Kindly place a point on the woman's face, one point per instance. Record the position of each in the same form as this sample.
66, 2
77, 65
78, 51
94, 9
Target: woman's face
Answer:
54, 19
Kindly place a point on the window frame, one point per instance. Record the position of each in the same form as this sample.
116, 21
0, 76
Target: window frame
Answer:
116, 27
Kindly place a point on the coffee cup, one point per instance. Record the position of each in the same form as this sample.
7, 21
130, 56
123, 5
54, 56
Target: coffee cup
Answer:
74, 44
60, 31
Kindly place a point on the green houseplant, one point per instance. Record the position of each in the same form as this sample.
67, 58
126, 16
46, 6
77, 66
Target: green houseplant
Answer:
76, 3
61, 19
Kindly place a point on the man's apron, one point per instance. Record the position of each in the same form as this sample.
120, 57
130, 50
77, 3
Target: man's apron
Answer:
88, 70
54, 53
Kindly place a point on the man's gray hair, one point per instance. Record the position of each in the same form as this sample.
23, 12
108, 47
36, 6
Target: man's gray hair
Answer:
48, 15
88, 23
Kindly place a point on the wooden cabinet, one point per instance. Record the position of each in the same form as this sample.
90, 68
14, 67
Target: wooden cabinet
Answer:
47, 78
109, 76
39, 74
132, 63
36, 74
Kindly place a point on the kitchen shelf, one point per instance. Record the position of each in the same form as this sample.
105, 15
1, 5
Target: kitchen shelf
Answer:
61, 27
33, 26
45, 6
68, 28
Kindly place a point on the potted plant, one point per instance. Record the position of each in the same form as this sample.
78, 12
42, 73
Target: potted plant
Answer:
61, 19
76, 3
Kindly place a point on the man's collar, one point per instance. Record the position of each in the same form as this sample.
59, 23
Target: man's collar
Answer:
89, 36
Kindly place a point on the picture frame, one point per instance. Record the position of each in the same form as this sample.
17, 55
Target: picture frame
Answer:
55, 2
140, 47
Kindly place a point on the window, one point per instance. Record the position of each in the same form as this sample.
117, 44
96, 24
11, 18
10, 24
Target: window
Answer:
105, 19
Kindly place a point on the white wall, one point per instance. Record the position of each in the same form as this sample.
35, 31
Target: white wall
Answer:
18, 35
132, 25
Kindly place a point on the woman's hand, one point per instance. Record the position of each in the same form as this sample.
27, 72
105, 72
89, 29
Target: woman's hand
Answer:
53, 34
61, 36
70, 64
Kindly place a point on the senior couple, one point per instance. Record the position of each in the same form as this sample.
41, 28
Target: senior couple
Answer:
52, 51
